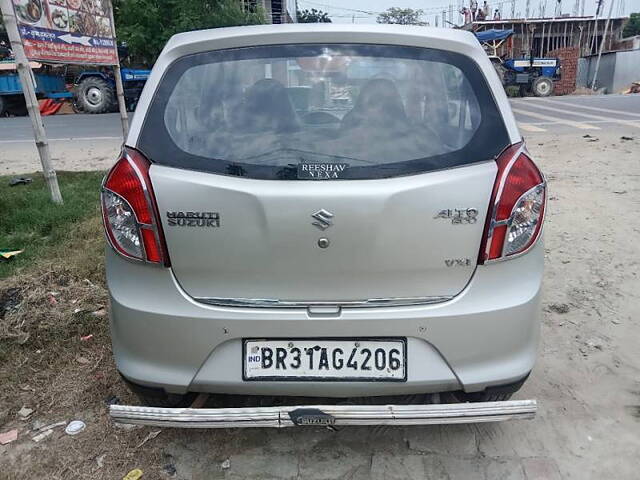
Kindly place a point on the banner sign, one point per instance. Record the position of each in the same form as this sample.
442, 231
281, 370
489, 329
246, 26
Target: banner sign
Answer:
67, 31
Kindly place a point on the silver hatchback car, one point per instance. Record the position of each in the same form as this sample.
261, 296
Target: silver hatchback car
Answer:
324, 211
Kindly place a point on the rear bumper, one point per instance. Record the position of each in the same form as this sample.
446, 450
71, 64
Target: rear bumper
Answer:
485, 336
329, 415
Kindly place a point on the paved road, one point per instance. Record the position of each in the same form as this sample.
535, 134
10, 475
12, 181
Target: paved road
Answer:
567, 114
63, 128
572, 113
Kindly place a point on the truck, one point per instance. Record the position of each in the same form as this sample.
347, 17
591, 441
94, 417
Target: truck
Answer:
49, 83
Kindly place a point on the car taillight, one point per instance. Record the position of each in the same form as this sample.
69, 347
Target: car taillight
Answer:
516, 211
129, 210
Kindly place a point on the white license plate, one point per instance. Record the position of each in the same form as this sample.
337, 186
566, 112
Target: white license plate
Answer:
325, 359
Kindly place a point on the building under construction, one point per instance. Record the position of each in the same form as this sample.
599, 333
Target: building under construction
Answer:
539, 36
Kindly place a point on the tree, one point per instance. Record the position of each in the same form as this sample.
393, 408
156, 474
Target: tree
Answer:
632, 27
313, 16
401, 16
146, 25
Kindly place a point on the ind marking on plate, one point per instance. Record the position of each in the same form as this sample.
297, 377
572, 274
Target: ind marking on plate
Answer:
321, 171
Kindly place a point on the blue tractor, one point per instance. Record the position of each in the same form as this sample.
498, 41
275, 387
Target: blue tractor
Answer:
95, 90
533, 75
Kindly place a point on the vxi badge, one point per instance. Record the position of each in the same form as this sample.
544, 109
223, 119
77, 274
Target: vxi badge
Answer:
193, 219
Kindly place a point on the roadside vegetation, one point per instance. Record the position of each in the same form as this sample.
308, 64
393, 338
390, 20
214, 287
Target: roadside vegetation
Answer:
55, 348
29, 221
146, 25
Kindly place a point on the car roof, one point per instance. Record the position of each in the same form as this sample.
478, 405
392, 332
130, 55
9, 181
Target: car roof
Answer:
403, 32
233, 37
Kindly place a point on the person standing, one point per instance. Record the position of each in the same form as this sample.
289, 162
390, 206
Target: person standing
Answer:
486, 10
466, 13
474, 9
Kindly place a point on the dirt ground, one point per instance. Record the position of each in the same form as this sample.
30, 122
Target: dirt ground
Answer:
587, 380
74, 155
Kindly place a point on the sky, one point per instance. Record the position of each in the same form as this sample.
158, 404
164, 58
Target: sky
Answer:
365, 11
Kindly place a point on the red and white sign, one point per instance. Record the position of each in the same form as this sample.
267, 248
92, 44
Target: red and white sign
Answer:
67, 31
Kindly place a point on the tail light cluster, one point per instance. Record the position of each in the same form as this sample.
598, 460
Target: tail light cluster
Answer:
129, 210
516, 211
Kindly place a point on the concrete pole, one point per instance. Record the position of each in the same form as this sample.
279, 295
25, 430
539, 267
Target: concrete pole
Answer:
122, 107
27, 81
604, 37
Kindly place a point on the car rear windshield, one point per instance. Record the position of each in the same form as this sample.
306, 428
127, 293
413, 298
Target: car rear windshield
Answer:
321, 112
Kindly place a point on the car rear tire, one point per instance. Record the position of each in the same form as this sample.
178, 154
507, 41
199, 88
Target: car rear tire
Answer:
483, 396
497, 393
168, 400
158, 397
95, 95
542, 87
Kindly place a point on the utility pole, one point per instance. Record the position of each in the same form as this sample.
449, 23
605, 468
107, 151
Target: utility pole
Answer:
604, 35
27, 81
592, 41
124, 119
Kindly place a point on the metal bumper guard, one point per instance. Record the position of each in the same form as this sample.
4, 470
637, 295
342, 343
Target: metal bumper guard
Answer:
325, 415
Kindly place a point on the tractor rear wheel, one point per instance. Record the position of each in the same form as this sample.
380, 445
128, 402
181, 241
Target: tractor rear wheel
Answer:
95, 95
542, 87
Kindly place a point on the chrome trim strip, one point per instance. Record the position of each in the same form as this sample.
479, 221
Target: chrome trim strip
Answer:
342, 415
276, 303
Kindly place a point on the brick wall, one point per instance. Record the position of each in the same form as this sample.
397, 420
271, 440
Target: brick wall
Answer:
569, 61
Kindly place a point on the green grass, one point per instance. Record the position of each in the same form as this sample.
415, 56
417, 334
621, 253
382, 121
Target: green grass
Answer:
29, 221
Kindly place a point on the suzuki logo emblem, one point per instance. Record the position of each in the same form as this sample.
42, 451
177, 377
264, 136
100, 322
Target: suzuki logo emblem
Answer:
323, 219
